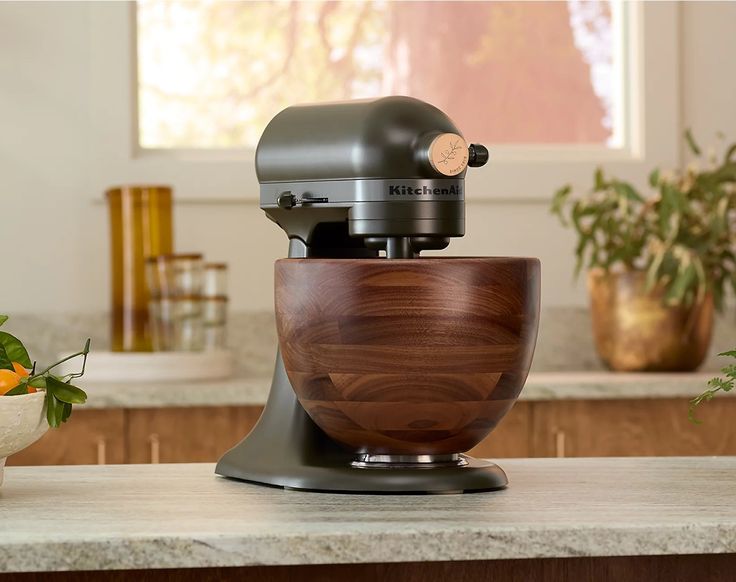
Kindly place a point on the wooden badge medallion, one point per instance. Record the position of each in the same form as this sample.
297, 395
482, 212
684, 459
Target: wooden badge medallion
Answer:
448, 154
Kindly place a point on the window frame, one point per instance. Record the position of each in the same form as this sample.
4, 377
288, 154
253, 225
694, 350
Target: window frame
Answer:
523, 173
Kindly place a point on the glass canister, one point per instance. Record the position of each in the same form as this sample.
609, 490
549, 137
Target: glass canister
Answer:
174, 275
177, 323
214, 311
215, 279
175, 287
215, 306
140, 227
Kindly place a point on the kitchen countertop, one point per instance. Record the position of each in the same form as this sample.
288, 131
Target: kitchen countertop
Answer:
183, 516
246, 391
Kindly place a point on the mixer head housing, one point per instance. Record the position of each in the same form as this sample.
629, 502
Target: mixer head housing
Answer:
387, 173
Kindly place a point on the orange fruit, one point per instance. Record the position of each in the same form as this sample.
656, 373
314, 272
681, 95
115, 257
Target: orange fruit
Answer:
23, 373
20, 370
8, 380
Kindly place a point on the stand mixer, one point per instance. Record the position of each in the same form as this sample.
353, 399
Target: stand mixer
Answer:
390, 365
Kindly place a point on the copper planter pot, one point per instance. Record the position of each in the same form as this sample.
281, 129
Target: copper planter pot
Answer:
636, 332
414, 356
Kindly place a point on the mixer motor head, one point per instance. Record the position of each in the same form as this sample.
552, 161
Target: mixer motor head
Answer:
386, 174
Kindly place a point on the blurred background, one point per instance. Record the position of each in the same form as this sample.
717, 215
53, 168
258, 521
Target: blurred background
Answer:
98, 94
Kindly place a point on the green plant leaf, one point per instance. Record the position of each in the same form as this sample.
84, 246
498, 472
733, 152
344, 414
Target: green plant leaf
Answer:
65, 392
627, 191
666, 208
599, 182
20, 389
682, 282
653, 270
3, 319
730, 373
38, 382
66, 412
654, 178
729, 153
5, 362
558, 202
690, 140
715, 385
15, 349
719, 384
54, 409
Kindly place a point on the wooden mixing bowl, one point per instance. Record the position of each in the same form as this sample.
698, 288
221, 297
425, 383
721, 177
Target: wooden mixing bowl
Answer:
407, 356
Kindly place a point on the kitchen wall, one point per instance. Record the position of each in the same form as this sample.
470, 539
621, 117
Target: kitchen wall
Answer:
53, 224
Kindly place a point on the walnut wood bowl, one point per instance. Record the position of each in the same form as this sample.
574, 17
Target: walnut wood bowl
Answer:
407, 356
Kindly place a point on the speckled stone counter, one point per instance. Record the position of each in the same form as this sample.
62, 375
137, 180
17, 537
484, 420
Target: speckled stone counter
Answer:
183, 516
250, 390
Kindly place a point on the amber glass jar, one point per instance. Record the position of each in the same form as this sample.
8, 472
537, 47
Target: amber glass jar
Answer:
140, 227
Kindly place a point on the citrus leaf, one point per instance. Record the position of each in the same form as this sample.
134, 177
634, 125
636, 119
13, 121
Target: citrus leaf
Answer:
5, 362
66, 411
3, 319
21, 388
65, 392
38, 382
59, 412
53, 410
731, 353
15, 349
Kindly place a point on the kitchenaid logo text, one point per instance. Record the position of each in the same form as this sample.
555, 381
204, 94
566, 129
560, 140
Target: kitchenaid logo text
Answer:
424, 191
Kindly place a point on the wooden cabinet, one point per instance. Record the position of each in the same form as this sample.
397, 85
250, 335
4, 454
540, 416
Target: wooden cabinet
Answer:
641, 427
186, 435
511, 438
572, 428
90, 437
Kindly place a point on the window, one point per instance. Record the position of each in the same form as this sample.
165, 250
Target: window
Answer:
212, 74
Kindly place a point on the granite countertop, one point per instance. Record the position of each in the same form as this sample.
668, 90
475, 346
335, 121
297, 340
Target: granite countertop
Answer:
250, 390
183, 516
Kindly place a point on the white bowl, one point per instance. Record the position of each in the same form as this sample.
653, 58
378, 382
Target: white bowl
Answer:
22, 423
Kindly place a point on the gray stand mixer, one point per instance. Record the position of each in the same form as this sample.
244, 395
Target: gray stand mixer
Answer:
359, 180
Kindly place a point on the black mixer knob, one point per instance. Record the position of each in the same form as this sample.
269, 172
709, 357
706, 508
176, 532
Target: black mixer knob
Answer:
477, 155
286, 200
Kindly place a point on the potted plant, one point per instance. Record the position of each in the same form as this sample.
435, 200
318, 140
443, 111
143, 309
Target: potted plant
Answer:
658, 264
31, 401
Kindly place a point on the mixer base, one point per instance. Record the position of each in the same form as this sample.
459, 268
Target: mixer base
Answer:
286, 449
